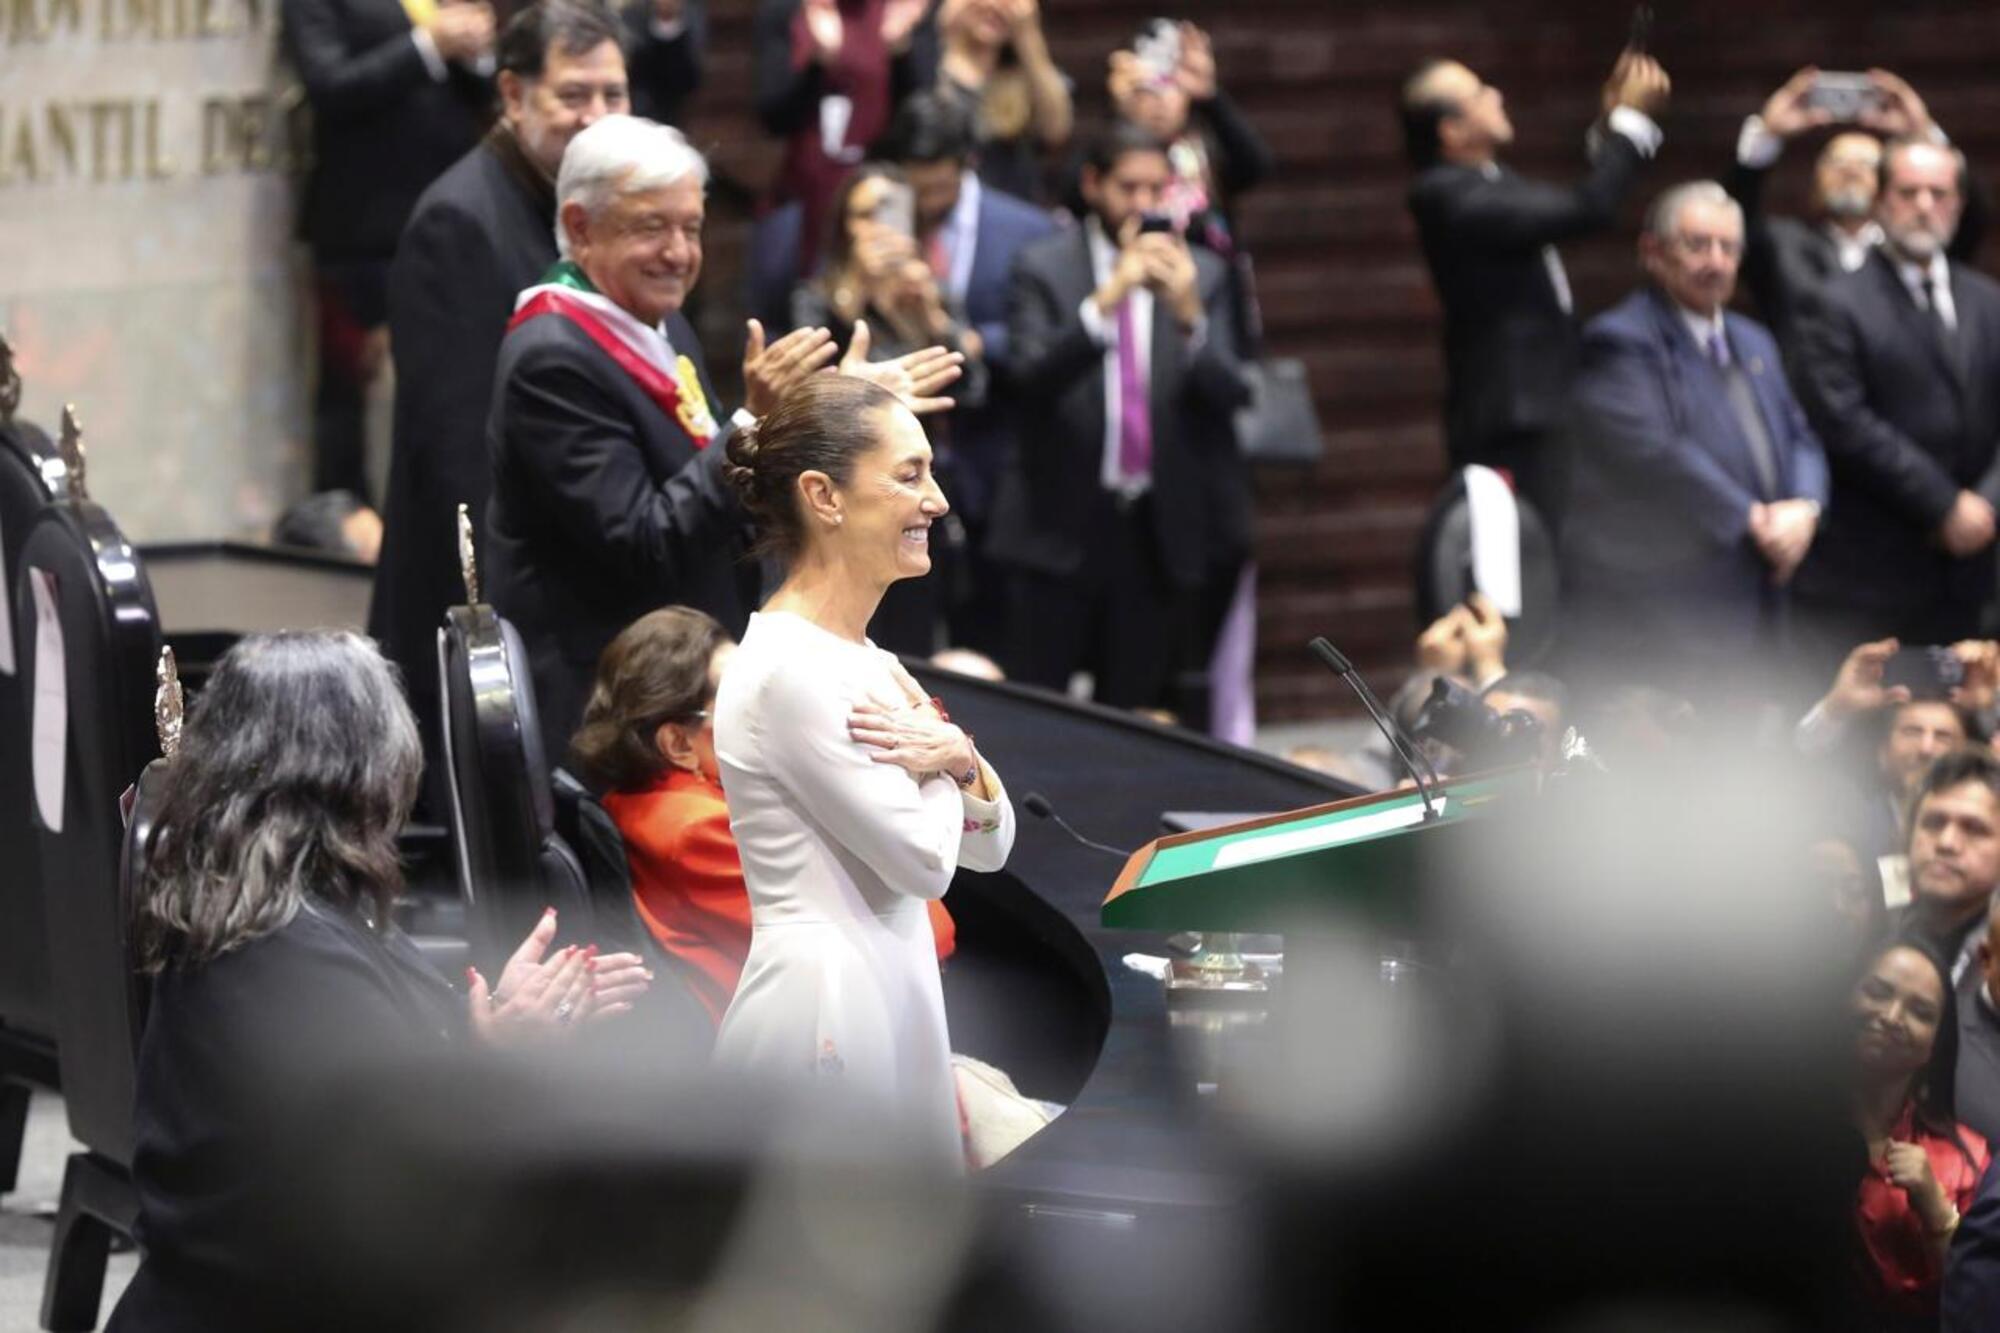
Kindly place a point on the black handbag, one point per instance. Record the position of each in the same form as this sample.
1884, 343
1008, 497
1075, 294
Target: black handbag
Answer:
1280, 423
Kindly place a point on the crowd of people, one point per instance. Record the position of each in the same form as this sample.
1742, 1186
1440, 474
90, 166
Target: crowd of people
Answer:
928, 147
988, 393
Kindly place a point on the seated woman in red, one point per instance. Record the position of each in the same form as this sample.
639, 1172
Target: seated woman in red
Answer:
1923, 1166
648, 744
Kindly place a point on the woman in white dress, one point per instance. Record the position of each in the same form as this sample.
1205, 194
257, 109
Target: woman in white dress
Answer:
852, 796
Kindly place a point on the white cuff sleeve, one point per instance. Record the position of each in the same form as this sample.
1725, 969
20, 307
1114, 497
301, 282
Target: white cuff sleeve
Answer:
1817, 734
1756, 147
1636, 126
1093, 321
427, 47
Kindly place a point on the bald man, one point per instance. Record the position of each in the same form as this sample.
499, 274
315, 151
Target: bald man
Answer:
1490, 237
1787, 262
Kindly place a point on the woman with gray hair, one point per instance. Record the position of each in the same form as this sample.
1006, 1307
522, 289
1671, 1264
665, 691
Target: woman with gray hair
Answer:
262, 913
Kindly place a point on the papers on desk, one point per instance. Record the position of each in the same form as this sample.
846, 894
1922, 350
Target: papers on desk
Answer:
1249, 850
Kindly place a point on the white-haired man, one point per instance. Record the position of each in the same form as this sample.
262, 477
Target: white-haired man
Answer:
1696, 483
608, 495
1901, 362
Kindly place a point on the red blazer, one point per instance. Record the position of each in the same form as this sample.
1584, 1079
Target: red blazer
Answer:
687, 882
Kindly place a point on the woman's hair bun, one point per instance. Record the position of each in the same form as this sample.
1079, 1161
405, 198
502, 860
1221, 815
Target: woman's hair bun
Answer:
741, 469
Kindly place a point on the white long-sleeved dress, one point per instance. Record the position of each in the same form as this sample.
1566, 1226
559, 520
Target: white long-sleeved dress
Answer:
840, 854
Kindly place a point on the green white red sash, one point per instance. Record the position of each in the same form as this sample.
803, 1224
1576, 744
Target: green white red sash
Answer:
641, 352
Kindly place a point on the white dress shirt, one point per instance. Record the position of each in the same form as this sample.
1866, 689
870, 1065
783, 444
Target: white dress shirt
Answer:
959, 233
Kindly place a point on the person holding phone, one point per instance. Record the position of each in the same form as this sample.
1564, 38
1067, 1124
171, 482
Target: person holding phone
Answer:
1125, 359
1787, 261
1490, 237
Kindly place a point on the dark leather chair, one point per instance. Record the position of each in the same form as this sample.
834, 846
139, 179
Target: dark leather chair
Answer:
512, 862
1444, 573
528, 835
93, 592
31, 474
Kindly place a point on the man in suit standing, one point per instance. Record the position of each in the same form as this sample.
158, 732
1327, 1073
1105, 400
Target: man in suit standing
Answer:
1788, 261
397, 92
1122, 348
481, 233
1902, 379
608, 494
969, 233
1490, 239
1695, 483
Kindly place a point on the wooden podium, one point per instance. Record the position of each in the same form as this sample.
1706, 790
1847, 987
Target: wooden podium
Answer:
1362, 856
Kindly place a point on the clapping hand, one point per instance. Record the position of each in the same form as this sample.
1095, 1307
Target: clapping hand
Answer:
542, 995
1787, 113
914, 377
769, 371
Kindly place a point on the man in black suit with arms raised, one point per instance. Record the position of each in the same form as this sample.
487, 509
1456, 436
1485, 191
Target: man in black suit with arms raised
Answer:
1902, 380
1123, 354
1490, 236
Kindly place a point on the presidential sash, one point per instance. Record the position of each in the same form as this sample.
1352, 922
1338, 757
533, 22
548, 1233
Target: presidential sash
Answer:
641, 352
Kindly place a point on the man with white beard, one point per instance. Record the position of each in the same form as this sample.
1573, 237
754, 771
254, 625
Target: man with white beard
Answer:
1901, 362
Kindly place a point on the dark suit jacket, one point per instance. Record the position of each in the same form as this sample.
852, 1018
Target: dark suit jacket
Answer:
1047, 502
1905, 429
479, 235
1509, 349
980, 435
1971, 1292
664, 74
1662, 478
1787, 262
602, 510
383, 128
226, 1046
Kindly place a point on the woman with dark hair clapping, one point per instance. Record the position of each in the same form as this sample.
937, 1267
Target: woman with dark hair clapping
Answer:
1923, 1166
263, 914
853, 797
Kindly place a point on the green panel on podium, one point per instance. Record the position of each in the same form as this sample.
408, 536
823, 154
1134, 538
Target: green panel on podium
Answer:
1362, 855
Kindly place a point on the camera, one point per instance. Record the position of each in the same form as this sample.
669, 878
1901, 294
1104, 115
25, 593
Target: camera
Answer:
1458, 720
1158, 47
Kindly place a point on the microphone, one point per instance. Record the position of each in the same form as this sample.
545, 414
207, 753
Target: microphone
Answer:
1038, 805
1336, 662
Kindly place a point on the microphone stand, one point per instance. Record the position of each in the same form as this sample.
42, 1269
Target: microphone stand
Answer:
1336, 662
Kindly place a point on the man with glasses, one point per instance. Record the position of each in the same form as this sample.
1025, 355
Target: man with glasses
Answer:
1696, 482
1901, 373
